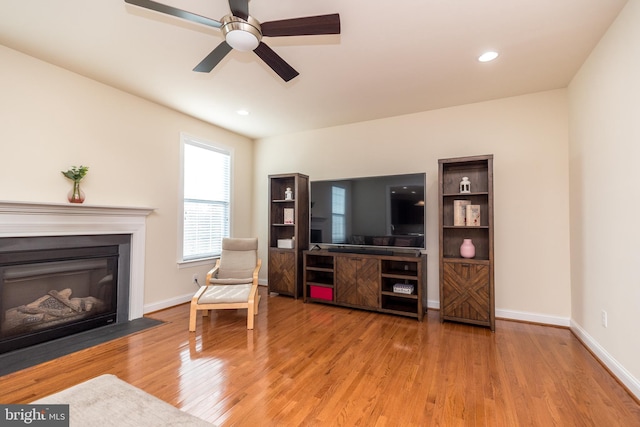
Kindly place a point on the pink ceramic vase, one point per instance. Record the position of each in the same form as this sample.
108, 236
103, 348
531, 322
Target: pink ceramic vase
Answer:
467, 250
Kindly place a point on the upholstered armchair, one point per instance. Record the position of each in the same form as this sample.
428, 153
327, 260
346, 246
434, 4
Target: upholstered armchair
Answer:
232, 283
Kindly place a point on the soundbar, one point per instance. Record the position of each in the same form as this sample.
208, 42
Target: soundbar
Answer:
362, 251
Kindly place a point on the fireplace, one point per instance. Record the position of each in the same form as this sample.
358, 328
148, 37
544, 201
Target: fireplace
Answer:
54, 286
68, 268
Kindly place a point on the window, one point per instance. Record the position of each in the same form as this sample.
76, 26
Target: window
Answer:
338, 211
206, 199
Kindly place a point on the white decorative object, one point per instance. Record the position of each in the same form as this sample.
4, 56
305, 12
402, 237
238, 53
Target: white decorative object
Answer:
403, 288
288, 194
285, 243
465, 185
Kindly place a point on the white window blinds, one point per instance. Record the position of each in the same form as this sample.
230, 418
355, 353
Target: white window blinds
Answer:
207, 188
338, 211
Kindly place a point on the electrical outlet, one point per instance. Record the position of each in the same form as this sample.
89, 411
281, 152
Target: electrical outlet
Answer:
195, 278
603, 318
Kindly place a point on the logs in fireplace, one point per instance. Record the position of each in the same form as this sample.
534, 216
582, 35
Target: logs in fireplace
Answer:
54, 286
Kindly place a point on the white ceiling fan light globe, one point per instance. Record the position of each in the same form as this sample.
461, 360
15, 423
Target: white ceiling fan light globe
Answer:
242, 40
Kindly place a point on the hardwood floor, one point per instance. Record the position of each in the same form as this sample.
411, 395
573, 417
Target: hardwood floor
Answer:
311, 364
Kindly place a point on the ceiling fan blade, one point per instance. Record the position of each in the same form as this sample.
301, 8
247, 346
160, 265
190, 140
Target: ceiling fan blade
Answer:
307, 26
276, 63
216, 55
239, 8
169, 10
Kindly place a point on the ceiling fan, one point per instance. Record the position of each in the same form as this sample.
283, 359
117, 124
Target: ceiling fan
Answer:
244, 33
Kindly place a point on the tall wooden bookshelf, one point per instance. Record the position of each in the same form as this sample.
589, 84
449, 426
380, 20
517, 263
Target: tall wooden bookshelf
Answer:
466, 284
288, 232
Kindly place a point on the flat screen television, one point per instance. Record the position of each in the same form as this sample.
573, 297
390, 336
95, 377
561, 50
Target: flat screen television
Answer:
369, 213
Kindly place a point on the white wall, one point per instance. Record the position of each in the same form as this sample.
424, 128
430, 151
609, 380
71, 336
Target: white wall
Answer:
52, 119
605, 197
528, 137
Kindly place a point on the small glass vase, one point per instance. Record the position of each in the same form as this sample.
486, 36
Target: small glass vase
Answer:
76, 195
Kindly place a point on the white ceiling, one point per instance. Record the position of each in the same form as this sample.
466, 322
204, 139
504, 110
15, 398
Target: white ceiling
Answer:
392, 58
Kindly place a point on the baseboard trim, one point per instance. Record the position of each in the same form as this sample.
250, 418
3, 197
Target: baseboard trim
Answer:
161, 305
524, 316
631, 383
433, 304
521, 316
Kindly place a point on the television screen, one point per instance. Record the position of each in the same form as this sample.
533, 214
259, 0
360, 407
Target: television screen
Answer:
381, 211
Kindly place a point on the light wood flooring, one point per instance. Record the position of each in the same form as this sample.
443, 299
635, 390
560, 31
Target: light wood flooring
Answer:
317, 365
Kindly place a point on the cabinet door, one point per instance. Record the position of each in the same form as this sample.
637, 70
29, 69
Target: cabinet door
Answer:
466, 291
346, 273
357, 281
282, 271
369, 283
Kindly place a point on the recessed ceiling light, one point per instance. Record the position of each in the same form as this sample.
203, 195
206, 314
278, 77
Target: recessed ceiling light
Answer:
488, 56
243, 112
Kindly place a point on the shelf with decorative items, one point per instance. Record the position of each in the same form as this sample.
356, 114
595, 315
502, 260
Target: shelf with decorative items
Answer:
466, 240
288, 232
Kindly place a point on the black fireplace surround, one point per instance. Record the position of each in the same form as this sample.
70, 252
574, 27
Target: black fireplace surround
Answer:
56, 286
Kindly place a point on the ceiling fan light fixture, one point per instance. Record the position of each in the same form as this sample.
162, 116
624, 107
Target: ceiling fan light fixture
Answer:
242, 40
240, 34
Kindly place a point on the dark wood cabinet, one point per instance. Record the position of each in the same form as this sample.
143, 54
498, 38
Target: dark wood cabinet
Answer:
367, 281
466, 284
282, 271
358, 281
466, 292
288, 232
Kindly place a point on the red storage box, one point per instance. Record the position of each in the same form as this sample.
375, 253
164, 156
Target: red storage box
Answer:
320, 292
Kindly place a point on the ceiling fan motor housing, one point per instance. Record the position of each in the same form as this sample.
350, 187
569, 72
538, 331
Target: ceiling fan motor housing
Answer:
240, 34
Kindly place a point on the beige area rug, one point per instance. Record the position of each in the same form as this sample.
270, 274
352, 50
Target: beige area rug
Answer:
108, 401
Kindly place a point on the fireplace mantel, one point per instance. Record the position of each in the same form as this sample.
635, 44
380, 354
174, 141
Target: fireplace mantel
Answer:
70, 209
25, 219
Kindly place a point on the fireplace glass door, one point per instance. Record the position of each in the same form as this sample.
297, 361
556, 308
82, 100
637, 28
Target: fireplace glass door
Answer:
49, 294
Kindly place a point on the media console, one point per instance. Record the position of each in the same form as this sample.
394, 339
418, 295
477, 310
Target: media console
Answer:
386, 283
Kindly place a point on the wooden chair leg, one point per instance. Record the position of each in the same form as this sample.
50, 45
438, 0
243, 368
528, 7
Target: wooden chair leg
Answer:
250, 316
192, 318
